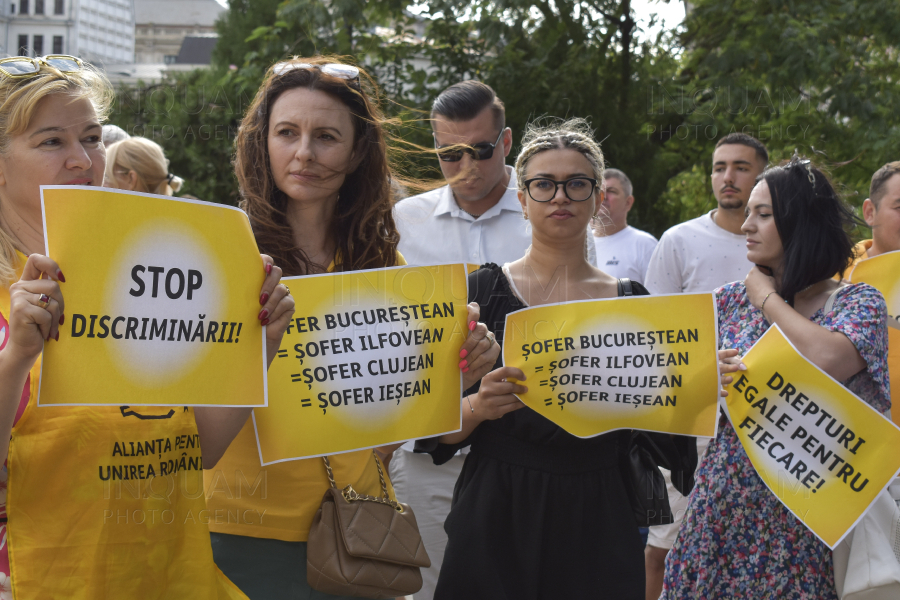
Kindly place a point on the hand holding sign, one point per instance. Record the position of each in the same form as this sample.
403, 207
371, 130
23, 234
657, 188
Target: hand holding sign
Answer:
729, 362
370, 359
277, 307
498, 394
822, 451
479, 352
644, 362
30, 323
161, 302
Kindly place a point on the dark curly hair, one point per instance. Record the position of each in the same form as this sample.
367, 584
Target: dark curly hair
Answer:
362, 225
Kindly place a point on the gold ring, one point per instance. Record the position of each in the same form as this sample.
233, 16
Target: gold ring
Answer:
288, 290
493, 339
44, 301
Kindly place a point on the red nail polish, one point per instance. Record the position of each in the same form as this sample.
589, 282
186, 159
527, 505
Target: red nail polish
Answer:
60, 276
62, 319
263, 299
57, 336
265, 322
263, 314
466, 370
463, 363
463, 353
268, 268
473, 325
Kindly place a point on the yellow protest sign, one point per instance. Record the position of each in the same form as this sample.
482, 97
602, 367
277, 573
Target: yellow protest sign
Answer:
883, 273
161, 302
821, 450
371, 358
645, 362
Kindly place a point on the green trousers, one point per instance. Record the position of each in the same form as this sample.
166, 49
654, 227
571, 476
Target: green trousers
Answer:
266, 569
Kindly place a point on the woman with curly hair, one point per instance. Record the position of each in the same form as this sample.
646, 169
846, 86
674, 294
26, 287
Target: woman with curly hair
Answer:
316, 180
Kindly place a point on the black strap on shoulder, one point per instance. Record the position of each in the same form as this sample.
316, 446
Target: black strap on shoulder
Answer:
481, 283
624, 287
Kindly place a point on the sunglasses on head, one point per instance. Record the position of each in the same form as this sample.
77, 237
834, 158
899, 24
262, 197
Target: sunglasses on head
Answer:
348, 72
479, 151
23, 66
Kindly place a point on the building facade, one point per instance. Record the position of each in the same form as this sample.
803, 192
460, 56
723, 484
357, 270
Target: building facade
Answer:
98, 31
162, 25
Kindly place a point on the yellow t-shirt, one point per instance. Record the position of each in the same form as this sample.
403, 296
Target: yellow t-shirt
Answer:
106, 502
279, 501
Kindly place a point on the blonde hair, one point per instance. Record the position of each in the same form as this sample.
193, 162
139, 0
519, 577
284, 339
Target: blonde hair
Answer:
558, 134
19, 99
148, 161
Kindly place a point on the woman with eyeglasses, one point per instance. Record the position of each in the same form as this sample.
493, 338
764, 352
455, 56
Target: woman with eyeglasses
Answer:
74, 531
537, 512
737, 539
313, 168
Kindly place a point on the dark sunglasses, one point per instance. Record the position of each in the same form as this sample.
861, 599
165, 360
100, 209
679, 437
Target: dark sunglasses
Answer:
479, 151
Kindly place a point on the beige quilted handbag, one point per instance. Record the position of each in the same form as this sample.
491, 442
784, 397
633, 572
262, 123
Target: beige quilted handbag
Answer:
364, 546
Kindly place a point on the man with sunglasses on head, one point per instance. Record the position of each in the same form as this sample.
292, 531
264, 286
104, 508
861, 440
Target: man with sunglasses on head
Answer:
475, 218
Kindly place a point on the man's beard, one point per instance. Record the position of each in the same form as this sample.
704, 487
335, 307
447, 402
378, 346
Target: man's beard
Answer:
731, 202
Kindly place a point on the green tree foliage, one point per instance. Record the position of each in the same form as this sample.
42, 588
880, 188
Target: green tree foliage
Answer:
194, 116
237, 24
821, 77
549, 58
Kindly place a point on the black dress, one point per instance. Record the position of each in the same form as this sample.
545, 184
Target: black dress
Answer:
537, 512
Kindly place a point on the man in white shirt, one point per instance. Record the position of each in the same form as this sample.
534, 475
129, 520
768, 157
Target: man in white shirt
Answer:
701, 255
475, 218
622, 250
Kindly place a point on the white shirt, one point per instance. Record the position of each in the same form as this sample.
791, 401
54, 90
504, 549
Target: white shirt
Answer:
625, 253
697, 256
435, 230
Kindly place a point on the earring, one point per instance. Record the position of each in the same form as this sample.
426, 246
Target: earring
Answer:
525, 215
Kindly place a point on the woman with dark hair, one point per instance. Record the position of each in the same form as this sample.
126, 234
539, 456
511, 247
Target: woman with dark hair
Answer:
737, 539
313, 168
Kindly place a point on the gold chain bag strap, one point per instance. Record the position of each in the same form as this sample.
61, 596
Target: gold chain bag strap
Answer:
364, 546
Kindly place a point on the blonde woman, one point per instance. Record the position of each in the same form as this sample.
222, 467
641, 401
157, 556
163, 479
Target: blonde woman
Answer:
137, 164
537, 512
72, 533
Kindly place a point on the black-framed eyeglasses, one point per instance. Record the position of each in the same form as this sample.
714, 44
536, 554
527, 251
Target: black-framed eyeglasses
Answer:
576, 189
341, 71
479, 151
18, 67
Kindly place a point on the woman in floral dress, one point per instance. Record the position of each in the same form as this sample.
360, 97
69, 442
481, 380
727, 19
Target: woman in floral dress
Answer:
737, 539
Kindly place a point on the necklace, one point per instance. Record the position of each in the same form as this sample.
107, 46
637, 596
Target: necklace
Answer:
468, 213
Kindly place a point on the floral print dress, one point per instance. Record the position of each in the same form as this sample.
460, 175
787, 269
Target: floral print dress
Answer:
737, 539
